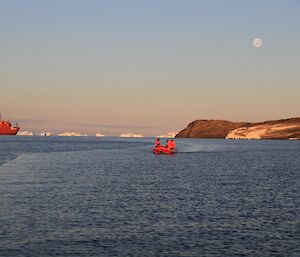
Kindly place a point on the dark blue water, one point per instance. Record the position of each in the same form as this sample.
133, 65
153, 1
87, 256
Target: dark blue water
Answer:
113, 197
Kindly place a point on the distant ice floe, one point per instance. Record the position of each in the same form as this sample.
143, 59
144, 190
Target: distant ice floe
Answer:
47, 134
100, 135
171, 134
131, 135
71, 134
25, 133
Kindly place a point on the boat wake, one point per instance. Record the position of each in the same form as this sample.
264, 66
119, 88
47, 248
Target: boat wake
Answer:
15, 163
196, 147
5, 161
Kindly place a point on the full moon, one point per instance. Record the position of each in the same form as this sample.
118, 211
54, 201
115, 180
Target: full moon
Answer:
257, 42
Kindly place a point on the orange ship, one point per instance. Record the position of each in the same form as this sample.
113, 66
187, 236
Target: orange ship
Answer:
7, 129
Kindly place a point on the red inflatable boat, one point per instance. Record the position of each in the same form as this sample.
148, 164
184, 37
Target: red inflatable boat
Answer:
162, 149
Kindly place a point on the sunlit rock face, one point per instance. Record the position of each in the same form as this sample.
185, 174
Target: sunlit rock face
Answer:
276, 129
281, 129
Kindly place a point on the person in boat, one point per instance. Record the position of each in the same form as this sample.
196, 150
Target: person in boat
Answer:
157, 142
173, 144
169, 144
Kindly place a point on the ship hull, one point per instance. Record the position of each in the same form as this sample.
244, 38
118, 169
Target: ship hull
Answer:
9, 132
7, 129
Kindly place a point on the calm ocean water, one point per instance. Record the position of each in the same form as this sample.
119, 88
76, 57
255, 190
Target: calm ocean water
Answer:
113, 197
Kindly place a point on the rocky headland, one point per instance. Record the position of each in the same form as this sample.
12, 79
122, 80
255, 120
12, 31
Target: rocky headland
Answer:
275, 129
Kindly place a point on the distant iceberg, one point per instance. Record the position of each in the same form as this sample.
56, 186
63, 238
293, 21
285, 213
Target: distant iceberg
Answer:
25, 133
71, 134
100, 135
171, 134
45, 134
131, 135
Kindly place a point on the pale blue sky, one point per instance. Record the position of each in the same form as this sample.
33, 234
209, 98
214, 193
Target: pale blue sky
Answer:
147, 66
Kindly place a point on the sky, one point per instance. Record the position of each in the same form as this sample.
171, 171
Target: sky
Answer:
147, 67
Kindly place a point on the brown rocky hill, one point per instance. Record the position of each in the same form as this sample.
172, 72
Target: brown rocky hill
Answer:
209, 128
276, 129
